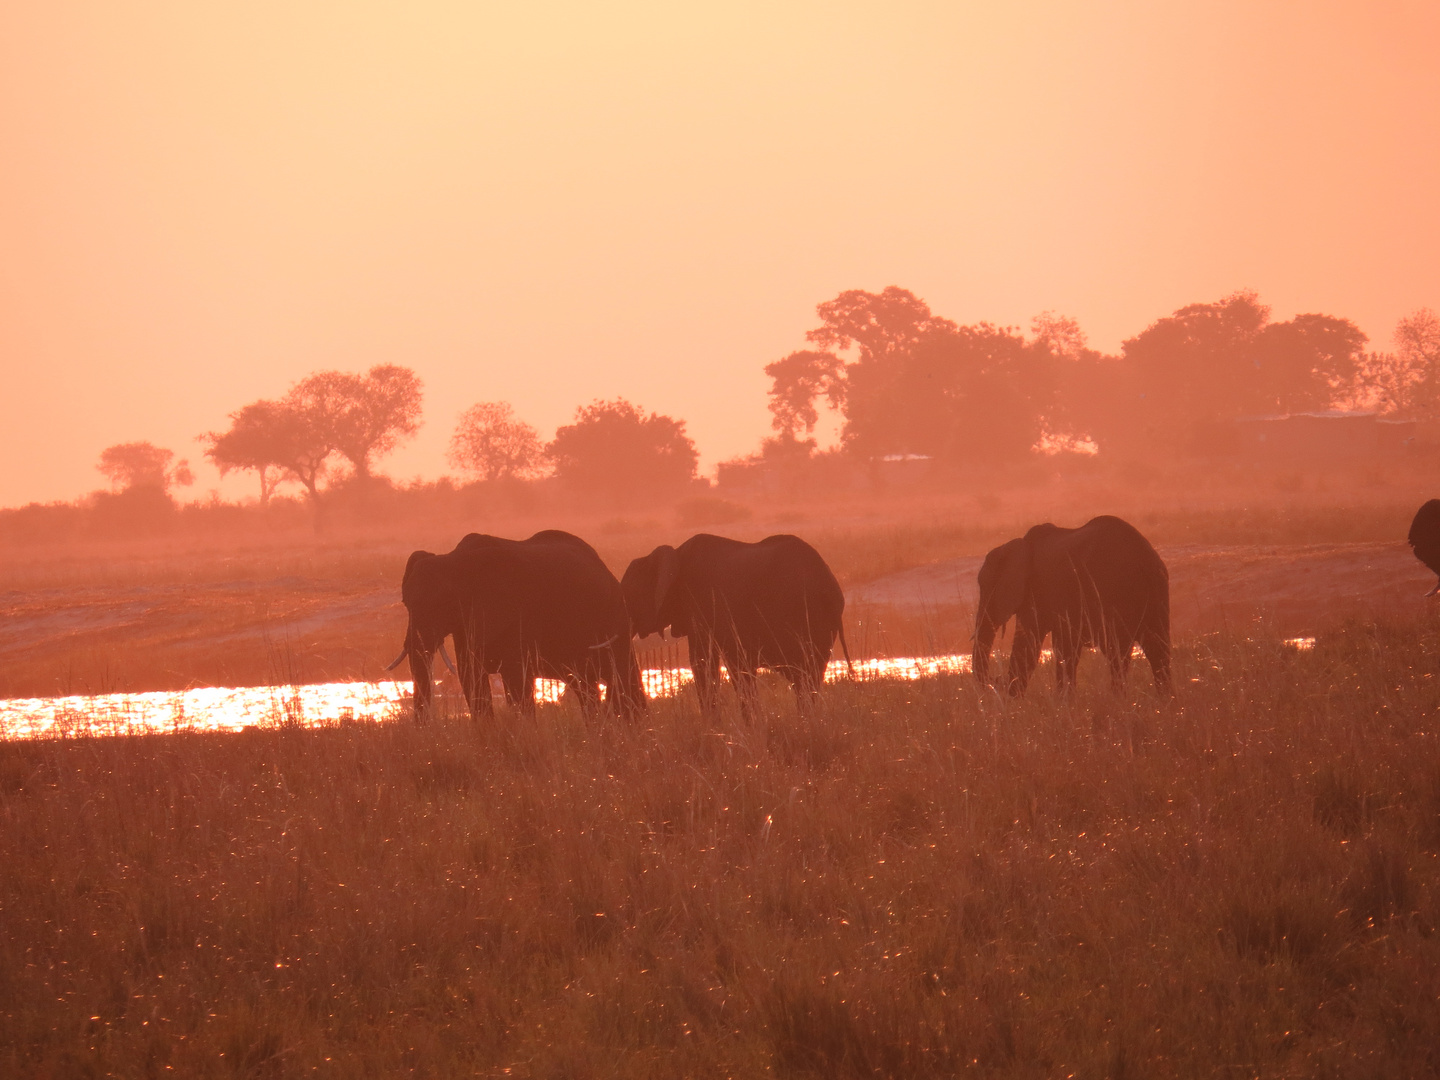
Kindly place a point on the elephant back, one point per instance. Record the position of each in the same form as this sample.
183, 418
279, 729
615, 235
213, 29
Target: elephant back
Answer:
776, 598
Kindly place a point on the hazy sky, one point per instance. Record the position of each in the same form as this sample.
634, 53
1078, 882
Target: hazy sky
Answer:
549, 203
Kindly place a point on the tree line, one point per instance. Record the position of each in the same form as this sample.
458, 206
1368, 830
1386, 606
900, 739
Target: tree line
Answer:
333, 426
901, 380
905, 381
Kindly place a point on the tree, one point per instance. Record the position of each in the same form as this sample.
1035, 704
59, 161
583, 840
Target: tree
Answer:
1417, 339
1060, 334
615, 449
362, 417
139, 465
878, 325
909, 381
359, 417
273, 439
1407, 381
491, 443
796, 382
1210, 363
973, 393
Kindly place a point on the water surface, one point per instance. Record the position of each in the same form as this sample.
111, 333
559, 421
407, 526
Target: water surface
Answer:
318, 704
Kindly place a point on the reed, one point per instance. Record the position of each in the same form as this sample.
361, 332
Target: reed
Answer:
918, 879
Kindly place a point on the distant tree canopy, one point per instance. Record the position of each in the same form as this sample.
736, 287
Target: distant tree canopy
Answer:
140, 465
360, 417
915, 383
1214, 362
491, 443
275, 439
907, 381
614, 449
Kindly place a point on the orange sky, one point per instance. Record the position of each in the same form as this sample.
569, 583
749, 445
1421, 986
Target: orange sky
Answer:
200, 203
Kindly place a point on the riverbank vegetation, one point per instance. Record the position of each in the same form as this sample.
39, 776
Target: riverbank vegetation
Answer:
918, 880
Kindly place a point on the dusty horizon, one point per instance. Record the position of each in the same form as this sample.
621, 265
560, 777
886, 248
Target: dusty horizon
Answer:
560, 205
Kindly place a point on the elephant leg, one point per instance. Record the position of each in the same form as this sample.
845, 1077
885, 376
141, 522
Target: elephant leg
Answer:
473, 682
1024, 655
526, 696
1067, 661
512, 672
705, 666
806, 679
1118, 653
586, 692
1155, 641
577, 692
626, 694
747, 688
1064, 672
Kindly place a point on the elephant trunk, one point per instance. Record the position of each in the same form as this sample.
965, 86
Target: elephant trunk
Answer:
421, 654
985, 630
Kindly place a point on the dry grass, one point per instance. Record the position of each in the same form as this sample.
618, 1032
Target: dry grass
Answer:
920, 880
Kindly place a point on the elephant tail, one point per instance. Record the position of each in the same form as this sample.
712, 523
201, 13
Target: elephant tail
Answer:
849, 664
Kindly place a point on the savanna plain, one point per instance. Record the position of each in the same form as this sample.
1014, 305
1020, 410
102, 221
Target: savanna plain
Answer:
913, 879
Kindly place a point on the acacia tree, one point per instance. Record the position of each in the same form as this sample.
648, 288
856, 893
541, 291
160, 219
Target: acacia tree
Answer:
490, 442
362, 417
137, 465
359, 417
615, 449
276, 441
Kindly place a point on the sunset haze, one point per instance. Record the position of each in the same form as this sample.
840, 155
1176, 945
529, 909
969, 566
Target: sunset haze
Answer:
549, 204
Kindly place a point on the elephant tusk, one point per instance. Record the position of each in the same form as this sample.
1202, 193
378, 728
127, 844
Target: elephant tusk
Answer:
1435, 590
396, 662
446, 657
606, 643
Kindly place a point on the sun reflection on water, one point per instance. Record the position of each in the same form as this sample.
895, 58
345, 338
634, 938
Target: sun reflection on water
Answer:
320, 704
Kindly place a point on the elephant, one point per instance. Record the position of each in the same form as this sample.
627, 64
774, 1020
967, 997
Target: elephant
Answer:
546, 606
1101, 584
773, 603
1425, 538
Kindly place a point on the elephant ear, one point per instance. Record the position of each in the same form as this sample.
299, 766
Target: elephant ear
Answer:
1004, 580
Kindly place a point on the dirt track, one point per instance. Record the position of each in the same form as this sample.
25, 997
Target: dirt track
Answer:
1293, 590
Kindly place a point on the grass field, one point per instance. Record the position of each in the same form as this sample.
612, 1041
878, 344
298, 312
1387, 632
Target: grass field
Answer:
919, 880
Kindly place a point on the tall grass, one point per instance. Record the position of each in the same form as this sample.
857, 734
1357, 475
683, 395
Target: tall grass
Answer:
917, 880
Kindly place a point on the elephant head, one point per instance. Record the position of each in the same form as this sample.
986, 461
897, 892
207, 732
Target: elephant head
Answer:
1004, 579
1424, 538
434, 612
651, 595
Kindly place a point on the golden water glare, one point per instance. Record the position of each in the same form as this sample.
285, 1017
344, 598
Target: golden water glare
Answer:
318, 705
